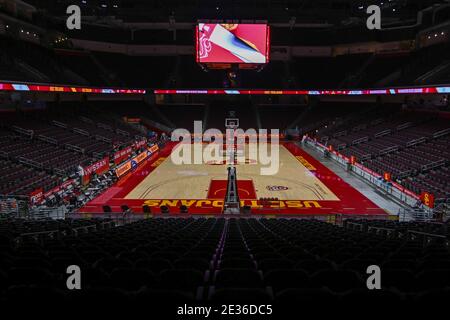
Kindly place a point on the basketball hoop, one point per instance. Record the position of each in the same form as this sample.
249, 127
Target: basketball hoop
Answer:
231, 123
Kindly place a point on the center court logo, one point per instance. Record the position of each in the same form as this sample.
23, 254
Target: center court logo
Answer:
236, 146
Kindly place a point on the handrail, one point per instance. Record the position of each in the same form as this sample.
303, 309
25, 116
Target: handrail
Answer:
392, 230
122, 132
379, 228
383, 133
30, 162
105, 126
388, 150
340, 133
38, 233
74, 147
74, 230
427, 234
360, 140
47, 139
23, 131
441, 133
433, 164
415, 141
86, 120
404, 126
102, 138
59, 124
81, 131
376, 122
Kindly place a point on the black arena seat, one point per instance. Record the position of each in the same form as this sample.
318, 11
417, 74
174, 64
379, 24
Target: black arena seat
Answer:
154, 265
238, 278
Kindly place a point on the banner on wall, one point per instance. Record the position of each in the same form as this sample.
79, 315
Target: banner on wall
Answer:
123, 169
367, 170
131, 164
134, 162
153, 149
404, 190
139, 144
122, 155
139, 158
59, 188
99, 167
132, 120
427, 199
37, 196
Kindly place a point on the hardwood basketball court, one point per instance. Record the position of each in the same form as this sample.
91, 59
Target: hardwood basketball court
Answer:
190, 181
302, 186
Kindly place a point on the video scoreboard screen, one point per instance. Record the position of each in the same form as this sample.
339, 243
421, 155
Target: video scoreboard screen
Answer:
233, 43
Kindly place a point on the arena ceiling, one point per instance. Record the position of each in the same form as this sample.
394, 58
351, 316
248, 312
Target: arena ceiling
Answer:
331, 11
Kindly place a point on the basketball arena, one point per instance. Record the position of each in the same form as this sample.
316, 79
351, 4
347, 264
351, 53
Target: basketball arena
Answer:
224, 159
